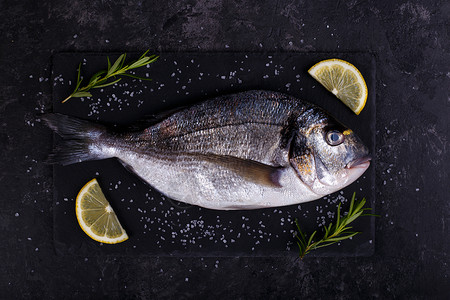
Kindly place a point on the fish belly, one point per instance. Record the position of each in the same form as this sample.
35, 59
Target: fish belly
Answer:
205, 184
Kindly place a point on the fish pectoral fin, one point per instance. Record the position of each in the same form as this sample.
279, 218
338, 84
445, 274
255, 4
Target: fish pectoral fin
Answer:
249, 169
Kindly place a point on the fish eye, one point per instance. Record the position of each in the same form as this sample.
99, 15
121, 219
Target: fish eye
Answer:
334, 137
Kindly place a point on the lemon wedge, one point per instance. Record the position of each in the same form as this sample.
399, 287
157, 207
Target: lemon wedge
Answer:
342, 79
96, 216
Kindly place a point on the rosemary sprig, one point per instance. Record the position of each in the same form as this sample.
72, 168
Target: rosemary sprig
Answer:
108, 77
333, 233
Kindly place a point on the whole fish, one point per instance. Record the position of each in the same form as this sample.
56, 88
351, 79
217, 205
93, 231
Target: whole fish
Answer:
249, 150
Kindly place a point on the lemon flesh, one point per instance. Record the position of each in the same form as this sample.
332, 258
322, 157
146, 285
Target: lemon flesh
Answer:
342, 79
96, 216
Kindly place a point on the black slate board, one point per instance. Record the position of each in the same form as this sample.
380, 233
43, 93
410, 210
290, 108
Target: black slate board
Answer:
162, 227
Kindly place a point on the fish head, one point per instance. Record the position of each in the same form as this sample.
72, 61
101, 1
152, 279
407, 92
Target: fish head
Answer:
327, 156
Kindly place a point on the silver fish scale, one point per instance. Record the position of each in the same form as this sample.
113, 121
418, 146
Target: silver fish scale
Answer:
227, 125
178, 156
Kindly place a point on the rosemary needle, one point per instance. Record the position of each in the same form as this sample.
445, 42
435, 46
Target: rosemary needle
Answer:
333, 233
108, 77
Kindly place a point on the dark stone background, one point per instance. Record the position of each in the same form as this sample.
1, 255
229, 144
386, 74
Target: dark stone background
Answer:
411, 43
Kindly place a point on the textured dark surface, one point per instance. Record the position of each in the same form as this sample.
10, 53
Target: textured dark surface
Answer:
410, 41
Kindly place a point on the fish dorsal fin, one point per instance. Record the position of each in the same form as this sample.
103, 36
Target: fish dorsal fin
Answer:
249, 169
147, 121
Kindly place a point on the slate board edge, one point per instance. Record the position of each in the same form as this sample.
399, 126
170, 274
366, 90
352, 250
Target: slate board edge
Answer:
225, 254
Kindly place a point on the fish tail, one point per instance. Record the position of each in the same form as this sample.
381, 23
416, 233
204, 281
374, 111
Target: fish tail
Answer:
77, 138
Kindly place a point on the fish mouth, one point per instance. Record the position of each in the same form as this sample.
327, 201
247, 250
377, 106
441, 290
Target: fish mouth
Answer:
362, 162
